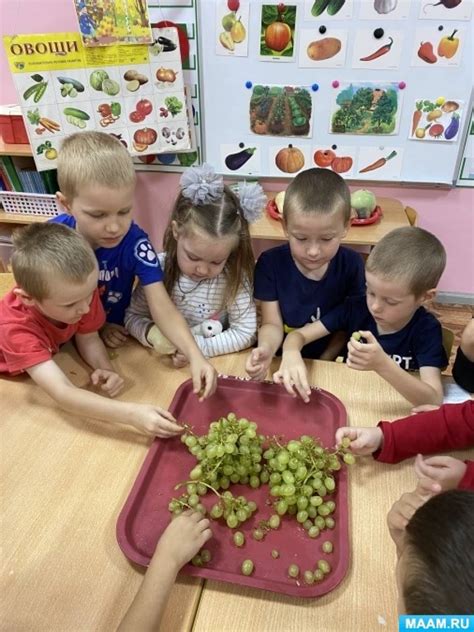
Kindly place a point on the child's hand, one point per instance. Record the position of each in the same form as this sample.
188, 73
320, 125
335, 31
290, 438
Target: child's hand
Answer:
113, 335
110, 382
293, 375
155, 420
423, 408
363, 440
365, 356
257, 363
444, 470
204, 377
179, 360
183, 538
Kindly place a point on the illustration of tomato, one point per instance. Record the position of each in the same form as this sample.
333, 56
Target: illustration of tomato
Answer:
324, 158
144, 106
342, 164
145, 136
136, 117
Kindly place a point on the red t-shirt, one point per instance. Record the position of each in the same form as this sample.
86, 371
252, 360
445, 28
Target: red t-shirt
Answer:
28, 337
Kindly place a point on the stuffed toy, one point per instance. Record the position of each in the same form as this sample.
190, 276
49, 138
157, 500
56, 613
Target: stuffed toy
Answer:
161, 344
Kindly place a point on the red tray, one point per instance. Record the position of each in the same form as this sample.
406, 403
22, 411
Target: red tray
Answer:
145, 513
376, 215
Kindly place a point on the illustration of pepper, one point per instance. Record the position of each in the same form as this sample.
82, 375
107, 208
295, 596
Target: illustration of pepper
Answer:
383, 50
378, 163
448, 46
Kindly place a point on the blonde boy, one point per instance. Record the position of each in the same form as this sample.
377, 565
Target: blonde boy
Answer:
97, 182
398, 334
56, 299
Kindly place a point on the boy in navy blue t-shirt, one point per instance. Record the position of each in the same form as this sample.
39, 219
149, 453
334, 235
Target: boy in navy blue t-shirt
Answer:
301, 281
397, 334
97, 181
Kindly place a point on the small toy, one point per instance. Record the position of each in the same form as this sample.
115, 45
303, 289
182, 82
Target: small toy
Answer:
161, 344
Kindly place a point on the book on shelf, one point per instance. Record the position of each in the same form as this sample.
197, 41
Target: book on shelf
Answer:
19, 173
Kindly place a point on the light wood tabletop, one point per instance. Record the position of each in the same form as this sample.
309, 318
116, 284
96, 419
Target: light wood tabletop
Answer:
394, 216
65, 480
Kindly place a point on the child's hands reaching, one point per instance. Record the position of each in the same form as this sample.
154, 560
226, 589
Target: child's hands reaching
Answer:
364, 441
258, 362
179, 360
154, 420
365, 356
204, 377
110, 382
113, 335
293, 375
444, 470
183, 538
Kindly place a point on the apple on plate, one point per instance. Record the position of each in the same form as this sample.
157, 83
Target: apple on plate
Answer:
364, 203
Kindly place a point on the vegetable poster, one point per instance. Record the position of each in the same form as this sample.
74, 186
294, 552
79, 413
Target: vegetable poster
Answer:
436, 119
134, 92
280, 111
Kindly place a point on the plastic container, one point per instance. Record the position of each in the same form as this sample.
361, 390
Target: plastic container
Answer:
168, 462
29, 203
374, 217
12, 127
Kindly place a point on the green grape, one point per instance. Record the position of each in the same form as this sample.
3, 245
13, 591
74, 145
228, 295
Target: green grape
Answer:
324, 566
191, 441
307, 490
346, 442
293, 463
322, 491
252, 505
327, 547
184, 437
247, 567
211, 451
224, 482
229, 447
293, 571
216, 512
288, 477
193, 500
205, 556
232, 521
329, 484
201, 489
301, 473
323, 510
302, 516
331, 505
313, 531
349, 459
269, 454
234, 478
281, 507
196, 473
254, 482
287, 490
318, 575
227, 470
283, 457
241, 515
195, 450
274, 521
307, 524
197, 560
239, 538
220, 450
308, 577
320, 522
302, 502
292, 510
275, 554
264, 477
312, 513
258, 534
293, 446
315, 501
330, 522
200, 507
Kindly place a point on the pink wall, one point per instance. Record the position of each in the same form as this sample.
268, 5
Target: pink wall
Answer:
448, 214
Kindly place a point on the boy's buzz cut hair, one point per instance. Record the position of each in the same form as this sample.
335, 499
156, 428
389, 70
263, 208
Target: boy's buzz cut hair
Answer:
45, 252
410, 254
89, 158
318, 191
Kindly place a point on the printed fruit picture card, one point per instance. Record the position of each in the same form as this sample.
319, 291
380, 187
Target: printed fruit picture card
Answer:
232, 27
445, 10
338, 158
436, 119
438, 48
277, 32
384, 162
378, 49
322, 50
288, 158
280, 111
241, 159
328, 10
384, 10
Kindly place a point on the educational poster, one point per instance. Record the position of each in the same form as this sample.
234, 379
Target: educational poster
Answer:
366, 108
384, 162
384, 9
328, 9
438, 46
288, 159
277, 32
338, 158
120, 90
445, 10
280, 111
436, 119
322, 51
108, 22
232, 27
466, 170
378, 51
240, 159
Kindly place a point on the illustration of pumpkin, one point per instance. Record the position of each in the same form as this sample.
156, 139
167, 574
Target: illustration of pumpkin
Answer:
145, 136
289, 159
277, 36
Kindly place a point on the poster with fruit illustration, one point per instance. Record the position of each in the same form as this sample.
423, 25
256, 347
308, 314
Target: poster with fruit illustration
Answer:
241, 159
380, 162
108, 22
384, 10
437, 119
326, 50
288, 159
328, 9
277, 32
445, 10
128, 91
377, 49
338, 158
232, 27
366, 108
280, 111
438, 46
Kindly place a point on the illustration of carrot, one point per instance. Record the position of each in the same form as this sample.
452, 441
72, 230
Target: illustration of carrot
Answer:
378, 163
383, 50
417, 114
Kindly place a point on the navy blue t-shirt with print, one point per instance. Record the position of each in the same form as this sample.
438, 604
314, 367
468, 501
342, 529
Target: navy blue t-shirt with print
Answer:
133, 257
302, 300
419, 343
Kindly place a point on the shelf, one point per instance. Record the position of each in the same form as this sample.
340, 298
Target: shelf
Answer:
14, 150
20, 218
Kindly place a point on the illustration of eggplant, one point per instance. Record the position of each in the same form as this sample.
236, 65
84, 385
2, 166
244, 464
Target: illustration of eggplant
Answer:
453, 128
168, 45
238, 160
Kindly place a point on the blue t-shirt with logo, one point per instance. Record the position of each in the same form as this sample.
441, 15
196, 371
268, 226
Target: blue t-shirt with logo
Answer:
302, 300
419, 343
133, 257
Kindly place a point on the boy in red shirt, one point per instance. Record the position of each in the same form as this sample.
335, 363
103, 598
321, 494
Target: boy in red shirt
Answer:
56, 298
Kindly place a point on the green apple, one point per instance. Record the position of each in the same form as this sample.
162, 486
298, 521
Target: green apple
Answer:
363, 202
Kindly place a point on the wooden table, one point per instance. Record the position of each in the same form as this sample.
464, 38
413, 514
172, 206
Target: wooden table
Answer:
394, 216
65, 480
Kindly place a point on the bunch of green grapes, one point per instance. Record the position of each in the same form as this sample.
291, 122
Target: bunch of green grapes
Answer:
301, 480
234, 510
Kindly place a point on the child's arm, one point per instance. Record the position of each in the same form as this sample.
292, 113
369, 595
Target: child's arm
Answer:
146, 418
180, 542
92, 350
369, 356
270, 336
138, 320
292, 372
173, 325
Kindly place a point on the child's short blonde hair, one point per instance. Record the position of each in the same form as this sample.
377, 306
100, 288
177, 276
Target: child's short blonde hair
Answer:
45, 252
411, 255
318, 191
89, 158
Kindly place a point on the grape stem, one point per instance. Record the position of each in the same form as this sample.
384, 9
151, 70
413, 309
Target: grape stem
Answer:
201, 483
